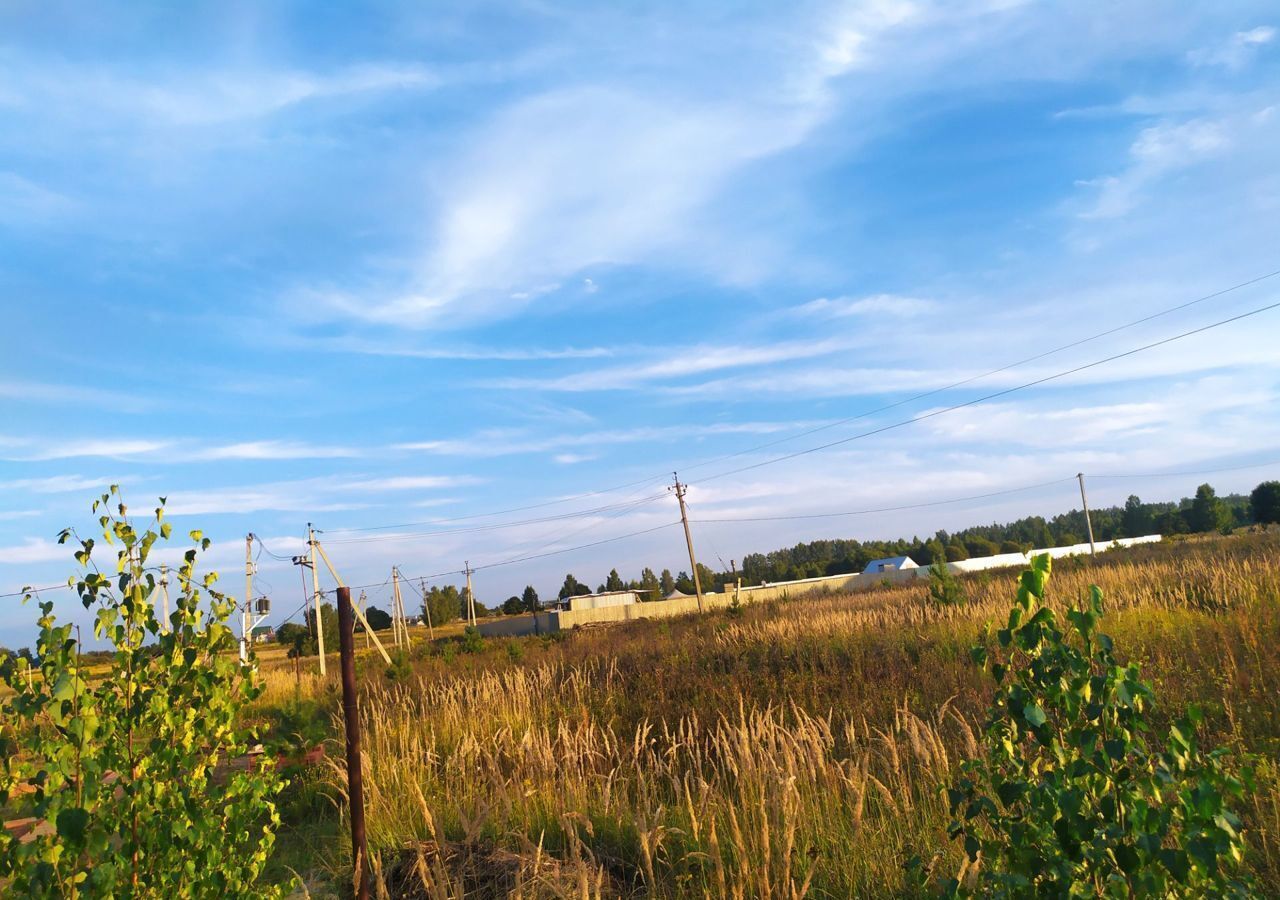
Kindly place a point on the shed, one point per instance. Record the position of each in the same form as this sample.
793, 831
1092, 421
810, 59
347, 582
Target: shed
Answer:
890, 564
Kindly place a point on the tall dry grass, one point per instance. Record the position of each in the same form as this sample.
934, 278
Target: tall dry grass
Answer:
797, 749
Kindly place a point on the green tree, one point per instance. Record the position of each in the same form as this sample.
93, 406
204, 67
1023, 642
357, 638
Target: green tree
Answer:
570, 588
934, 551
649, 587
512, 606
1208, 512
980, 546
329, 618
1012, 547
122, 765
1135, 521
1264, 502
684, 584
614, 581
443, 604
379, 620
529, 599
1068, 798
956, 552
297, 638
666, 583
944, 587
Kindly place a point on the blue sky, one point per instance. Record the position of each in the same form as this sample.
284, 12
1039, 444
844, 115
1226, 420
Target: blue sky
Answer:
398, 263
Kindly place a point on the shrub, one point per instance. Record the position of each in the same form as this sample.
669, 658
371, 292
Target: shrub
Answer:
944, 587
123, 767
472, 641
1068, 799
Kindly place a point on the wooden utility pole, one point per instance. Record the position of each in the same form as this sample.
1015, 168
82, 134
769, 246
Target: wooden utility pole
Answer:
1084, 500
246, 614
164, 599
471, 597
351, 717
315, 597
688, 536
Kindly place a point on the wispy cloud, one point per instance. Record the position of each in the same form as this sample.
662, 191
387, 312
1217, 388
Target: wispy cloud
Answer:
276, 450
194, 98
886, 305
1237, 51
683, 361
507, 442
58, 484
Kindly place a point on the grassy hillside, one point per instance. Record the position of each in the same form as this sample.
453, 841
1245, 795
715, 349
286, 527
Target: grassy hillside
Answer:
788, 749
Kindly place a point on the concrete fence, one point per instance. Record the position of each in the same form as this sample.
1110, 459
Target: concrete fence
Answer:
547, 622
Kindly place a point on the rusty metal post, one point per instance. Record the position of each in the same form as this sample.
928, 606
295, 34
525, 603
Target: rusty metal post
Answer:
351, 716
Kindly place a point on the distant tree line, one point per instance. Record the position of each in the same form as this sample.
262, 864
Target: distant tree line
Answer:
1205, 512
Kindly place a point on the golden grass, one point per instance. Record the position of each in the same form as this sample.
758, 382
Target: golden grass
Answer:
797, 749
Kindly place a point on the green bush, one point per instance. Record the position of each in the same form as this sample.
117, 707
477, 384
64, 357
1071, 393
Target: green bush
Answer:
944, 587
1069, 799
472, 641
130, 768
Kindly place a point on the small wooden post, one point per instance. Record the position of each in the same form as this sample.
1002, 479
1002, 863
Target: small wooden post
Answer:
351, 717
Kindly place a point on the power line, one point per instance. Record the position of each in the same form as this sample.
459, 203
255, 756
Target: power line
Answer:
885, 509
1261, 465
995, 394
964, 381
496, 526
827, 426
621, 537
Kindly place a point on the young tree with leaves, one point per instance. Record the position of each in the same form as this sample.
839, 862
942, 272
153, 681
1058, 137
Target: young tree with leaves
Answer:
129, 768
1070, 798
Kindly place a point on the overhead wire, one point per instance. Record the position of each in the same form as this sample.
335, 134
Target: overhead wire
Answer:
995, 394
969, 380
885, 509
496, 526
847, 420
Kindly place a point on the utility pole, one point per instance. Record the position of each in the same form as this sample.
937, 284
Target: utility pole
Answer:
471, 597
397, 608
246, 614
688, 536
351, 718
1085, 501
164, 599
361, 606
315, 597
426, 611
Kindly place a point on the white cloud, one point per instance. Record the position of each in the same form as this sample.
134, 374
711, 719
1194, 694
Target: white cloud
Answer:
58, 484
275, 450
504, 442
411, 483
885, 305
678, 362
1158, 151
33, 550
26, 203
569, 459
110, 448
1236, 52
203, 98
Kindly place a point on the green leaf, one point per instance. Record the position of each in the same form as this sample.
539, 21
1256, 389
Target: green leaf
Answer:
71, 824
1034, 715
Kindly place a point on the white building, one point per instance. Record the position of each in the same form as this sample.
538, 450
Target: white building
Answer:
890, 564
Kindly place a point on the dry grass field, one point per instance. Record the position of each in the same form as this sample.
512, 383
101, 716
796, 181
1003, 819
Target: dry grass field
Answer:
785, 750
